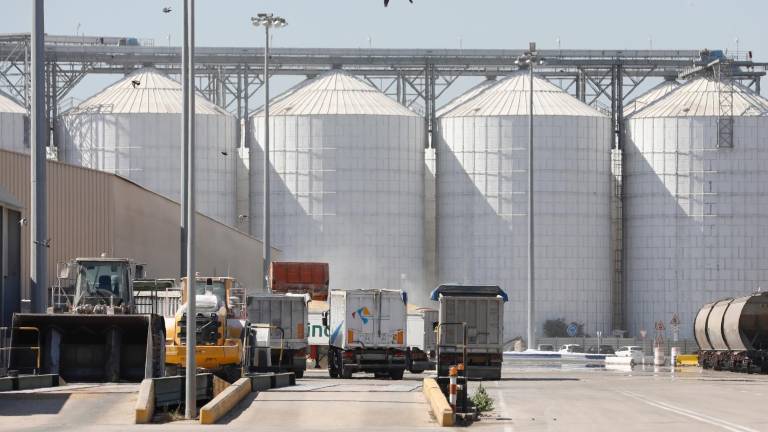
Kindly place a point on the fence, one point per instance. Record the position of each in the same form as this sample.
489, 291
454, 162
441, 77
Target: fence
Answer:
687, 346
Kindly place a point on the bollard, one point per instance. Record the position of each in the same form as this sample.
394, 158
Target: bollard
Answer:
462, 388
452, 387
673, 353
658, 356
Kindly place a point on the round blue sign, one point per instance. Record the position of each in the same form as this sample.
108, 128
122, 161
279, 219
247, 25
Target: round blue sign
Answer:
572, 330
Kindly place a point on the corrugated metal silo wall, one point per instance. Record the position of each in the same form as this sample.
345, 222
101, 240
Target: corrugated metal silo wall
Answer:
146, 148
80, 211
482, 214
348, 190
12, 132
696, 216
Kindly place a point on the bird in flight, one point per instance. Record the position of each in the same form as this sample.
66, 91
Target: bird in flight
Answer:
167, 10
386, 2
135, 83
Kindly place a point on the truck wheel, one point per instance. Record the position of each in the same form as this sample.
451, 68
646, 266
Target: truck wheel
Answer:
346, 373
333, 371
396, 374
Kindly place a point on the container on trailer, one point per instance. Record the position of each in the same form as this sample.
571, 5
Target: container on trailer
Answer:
421, 339
475, 314
301, 277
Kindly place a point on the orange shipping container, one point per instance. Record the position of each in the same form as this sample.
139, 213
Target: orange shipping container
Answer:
301, 277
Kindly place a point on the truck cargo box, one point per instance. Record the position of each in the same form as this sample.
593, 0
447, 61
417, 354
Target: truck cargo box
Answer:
422, 324
485, 323
300, 278
286, 312
368, 319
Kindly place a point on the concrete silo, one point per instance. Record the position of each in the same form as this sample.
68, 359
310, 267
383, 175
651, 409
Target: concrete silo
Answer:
133, 129
347, 183
696, 210
13, 125
482, 153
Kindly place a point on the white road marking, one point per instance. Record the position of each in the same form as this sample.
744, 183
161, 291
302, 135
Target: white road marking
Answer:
689, 413
503, 405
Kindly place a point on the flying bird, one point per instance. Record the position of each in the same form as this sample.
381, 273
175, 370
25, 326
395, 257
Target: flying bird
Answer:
167, 10
386, 2
224, 153
135, 83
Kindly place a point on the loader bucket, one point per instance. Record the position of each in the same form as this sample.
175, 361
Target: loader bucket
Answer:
89, 348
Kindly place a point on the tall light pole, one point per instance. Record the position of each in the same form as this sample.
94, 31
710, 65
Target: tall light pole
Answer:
529, 59
37, 214
267, 20
188, 135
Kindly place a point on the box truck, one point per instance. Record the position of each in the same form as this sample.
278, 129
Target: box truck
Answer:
367, 333
471, 329
421, 337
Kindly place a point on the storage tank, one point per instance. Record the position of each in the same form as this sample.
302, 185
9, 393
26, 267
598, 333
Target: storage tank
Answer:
13, 120
133, 129
482, 184
655, 93
695, 213
347, 183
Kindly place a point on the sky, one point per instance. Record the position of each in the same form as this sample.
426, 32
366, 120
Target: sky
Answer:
577, 24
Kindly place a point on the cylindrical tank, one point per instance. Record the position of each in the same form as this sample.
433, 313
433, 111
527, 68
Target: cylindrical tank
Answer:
482, 152
13, 124
694, 207
715, 331
745, 324
347, 183
133, 129
652, 95
700, 327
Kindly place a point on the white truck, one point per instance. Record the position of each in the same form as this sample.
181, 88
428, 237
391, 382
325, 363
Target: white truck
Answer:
367, 333
471, 329
422, 339
287, 317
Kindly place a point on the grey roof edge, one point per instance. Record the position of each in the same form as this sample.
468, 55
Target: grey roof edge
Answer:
453, 289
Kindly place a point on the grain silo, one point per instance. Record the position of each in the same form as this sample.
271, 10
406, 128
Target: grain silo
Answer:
13, 121
696, 210
652, 95
133, 129
347, 183
482, 198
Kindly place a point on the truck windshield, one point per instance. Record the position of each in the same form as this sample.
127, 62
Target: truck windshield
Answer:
101, 279
216, 288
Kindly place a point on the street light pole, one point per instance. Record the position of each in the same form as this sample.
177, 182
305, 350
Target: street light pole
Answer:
38, 129
190, 396
267, 21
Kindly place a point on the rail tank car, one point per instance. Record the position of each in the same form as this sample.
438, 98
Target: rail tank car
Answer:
732, 334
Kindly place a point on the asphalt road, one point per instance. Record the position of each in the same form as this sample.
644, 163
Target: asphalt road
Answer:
528, 398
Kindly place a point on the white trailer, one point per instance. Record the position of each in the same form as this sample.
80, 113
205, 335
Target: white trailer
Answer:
422, 341
287, 316
471, 329
367, 333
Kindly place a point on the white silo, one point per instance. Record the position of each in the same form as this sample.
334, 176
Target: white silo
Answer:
652, 95
696, 213
13, 118
133, 129
347, 183
482, 181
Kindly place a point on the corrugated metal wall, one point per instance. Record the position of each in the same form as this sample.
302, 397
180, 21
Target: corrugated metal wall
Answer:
77, 198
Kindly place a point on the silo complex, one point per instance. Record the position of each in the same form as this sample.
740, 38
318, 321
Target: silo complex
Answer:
482, 179
13, 118
347, 183
133, 129
696, 210
652, 95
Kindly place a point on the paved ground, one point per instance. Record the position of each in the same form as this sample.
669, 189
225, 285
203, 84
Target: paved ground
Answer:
529, 398
580, 399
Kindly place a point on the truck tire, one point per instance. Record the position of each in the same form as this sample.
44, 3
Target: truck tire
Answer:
333, 370
396, 374
346, 373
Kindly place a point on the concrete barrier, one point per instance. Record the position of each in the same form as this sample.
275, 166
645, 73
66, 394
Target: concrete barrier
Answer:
261, 382
283, 380
7, 384
145, 403
437, 402
225, 401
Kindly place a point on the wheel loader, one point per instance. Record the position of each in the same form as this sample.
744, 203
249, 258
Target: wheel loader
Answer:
92, 331
219, 334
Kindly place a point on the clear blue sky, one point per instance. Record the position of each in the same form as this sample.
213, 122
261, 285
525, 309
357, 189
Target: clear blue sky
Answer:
612, 24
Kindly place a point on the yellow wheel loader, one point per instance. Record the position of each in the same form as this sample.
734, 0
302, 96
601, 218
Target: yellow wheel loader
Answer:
220, 310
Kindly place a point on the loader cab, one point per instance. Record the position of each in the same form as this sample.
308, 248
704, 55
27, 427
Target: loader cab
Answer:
226, 291
102, 281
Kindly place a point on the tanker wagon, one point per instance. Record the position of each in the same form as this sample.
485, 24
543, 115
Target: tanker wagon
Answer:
732, 334
470, 329
368, 331
286, 315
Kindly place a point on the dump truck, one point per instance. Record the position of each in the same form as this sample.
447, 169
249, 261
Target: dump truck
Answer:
470, 329
368, 332
421, 337
300, 278
732, 334
220, 322
92, 332
286, 317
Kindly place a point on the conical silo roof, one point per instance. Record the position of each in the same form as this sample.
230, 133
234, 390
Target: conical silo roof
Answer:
336, 93
509, 97
144, 91
651, 96
701, 98
467, 95
8, 105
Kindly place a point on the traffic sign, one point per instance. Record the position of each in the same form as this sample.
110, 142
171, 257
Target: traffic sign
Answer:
572, 330
675, 320
659, 325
